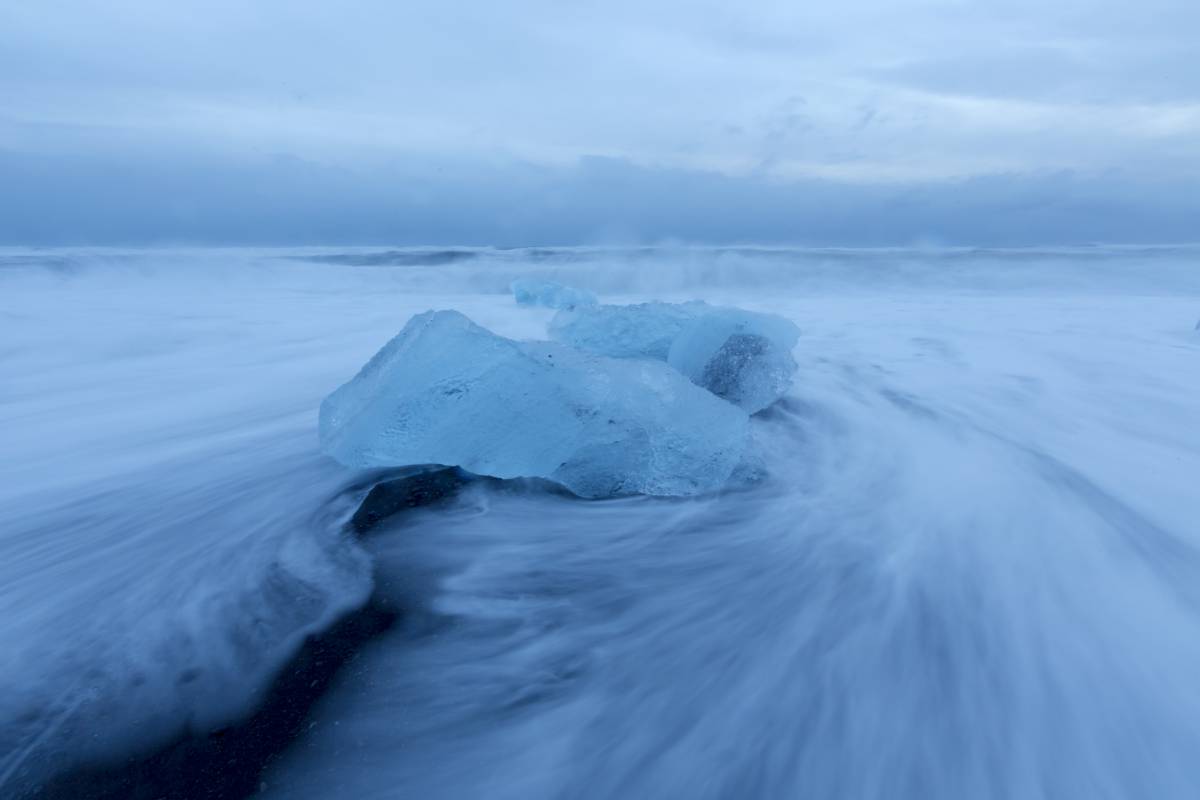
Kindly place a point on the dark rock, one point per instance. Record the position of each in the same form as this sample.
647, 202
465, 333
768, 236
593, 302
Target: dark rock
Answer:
390, 497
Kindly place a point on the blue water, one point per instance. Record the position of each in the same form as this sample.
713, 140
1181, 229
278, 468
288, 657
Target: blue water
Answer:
973, 570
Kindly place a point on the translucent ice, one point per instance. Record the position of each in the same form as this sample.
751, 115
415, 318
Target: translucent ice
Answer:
446, 391
644, 330
550, 294
741, 356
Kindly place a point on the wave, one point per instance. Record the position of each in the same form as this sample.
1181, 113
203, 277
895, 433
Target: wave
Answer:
161, 606
910, 607
970, 573
395, 258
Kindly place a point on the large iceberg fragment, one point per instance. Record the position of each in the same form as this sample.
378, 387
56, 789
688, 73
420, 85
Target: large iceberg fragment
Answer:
550, 294
741, 356
644, 330
446, 391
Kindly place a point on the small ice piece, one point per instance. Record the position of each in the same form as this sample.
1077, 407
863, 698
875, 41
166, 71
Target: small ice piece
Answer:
550, 295
742, 356
446, 391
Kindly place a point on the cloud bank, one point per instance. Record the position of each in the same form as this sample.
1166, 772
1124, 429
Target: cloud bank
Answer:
860, 122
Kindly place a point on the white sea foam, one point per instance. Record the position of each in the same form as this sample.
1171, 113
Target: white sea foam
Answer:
970, 572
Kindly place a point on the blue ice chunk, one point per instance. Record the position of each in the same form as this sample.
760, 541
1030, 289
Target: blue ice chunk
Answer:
446, 391
742, 356
644, 330
549, 294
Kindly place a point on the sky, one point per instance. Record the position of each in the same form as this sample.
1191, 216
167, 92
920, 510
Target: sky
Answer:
857, 122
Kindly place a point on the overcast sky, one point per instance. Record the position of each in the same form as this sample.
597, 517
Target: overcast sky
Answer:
848, 122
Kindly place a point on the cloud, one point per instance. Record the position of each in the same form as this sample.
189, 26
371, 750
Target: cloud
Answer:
285, 200
772, 100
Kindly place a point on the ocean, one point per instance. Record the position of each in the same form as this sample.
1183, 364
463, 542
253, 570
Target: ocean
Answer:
971, 569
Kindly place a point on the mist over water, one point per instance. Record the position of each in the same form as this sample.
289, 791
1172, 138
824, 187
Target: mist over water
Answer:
973, 568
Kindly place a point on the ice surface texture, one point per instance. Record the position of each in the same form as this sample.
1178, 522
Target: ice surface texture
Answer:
741, 356
446, 391
644, 330
550, 294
